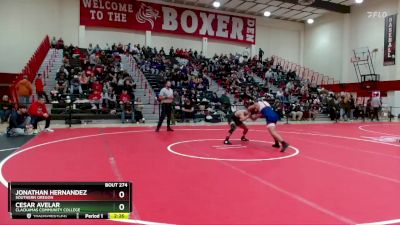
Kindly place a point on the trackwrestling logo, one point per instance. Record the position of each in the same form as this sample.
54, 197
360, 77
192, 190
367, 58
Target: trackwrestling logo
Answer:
147, 14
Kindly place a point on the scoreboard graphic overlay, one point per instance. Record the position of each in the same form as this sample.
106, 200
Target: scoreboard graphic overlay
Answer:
72, 200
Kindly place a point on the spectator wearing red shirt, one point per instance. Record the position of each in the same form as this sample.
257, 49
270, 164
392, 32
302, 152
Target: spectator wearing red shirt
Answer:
95, 99
77, 53
124, 97
126, 106
60, 44
97, 86
40, 87
117, 57
38, 112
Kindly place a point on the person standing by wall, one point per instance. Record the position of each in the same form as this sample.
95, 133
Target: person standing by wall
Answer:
260, 54
166, 97
24, 90
376, 106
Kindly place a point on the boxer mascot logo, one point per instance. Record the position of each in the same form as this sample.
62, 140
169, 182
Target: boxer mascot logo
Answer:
147, 14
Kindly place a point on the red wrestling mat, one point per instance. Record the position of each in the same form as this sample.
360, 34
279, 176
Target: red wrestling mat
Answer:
333, 174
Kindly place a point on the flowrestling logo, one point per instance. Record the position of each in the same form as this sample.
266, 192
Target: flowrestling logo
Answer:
377, 14
147, 14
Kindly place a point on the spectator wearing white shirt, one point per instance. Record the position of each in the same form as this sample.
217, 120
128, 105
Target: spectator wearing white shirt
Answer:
376, 104
279, 95
62, 69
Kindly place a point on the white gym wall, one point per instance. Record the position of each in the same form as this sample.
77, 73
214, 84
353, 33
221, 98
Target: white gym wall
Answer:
330, 40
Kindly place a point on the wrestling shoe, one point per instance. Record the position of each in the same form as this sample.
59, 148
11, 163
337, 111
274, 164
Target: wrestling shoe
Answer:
276, 145
244, 139
169, 129
284, 146
227, 142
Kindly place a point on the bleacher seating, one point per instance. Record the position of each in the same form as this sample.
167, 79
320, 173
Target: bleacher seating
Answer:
245, 79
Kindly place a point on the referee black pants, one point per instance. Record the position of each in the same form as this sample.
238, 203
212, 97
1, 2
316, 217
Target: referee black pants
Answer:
166, 110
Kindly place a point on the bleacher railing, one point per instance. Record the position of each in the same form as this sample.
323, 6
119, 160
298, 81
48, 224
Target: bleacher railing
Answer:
142, 81
33, 66
304, 73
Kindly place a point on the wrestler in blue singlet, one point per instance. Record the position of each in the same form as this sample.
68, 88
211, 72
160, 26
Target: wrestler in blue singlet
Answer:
266, 110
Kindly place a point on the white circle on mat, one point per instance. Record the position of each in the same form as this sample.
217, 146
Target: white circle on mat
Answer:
170, 149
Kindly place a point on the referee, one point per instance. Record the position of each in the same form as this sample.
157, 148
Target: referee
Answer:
166, 97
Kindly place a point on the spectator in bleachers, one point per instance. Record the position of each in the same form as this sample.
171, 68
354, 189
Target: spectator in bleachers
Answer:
76, 88
313, 111
297, 112
106, 85
5, 108
130, 86
110, 99
188, 110
66, 62
77, 53
92, 59
84, 81
60, 44
279, 108
40, 87
38, 112
135, 50
55, 96
138, 111
62, 70
53, 42
97, 48
125, 101
162, 52
107, 48
120, 48
20, 122
215, 101
279, 95
24, 90
97, 86
95, 99
260, 54
225, 102
90, 49
62, 83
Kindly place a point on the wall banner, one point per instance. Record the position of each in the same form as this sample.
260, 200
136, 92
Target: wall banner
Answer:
137, 15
